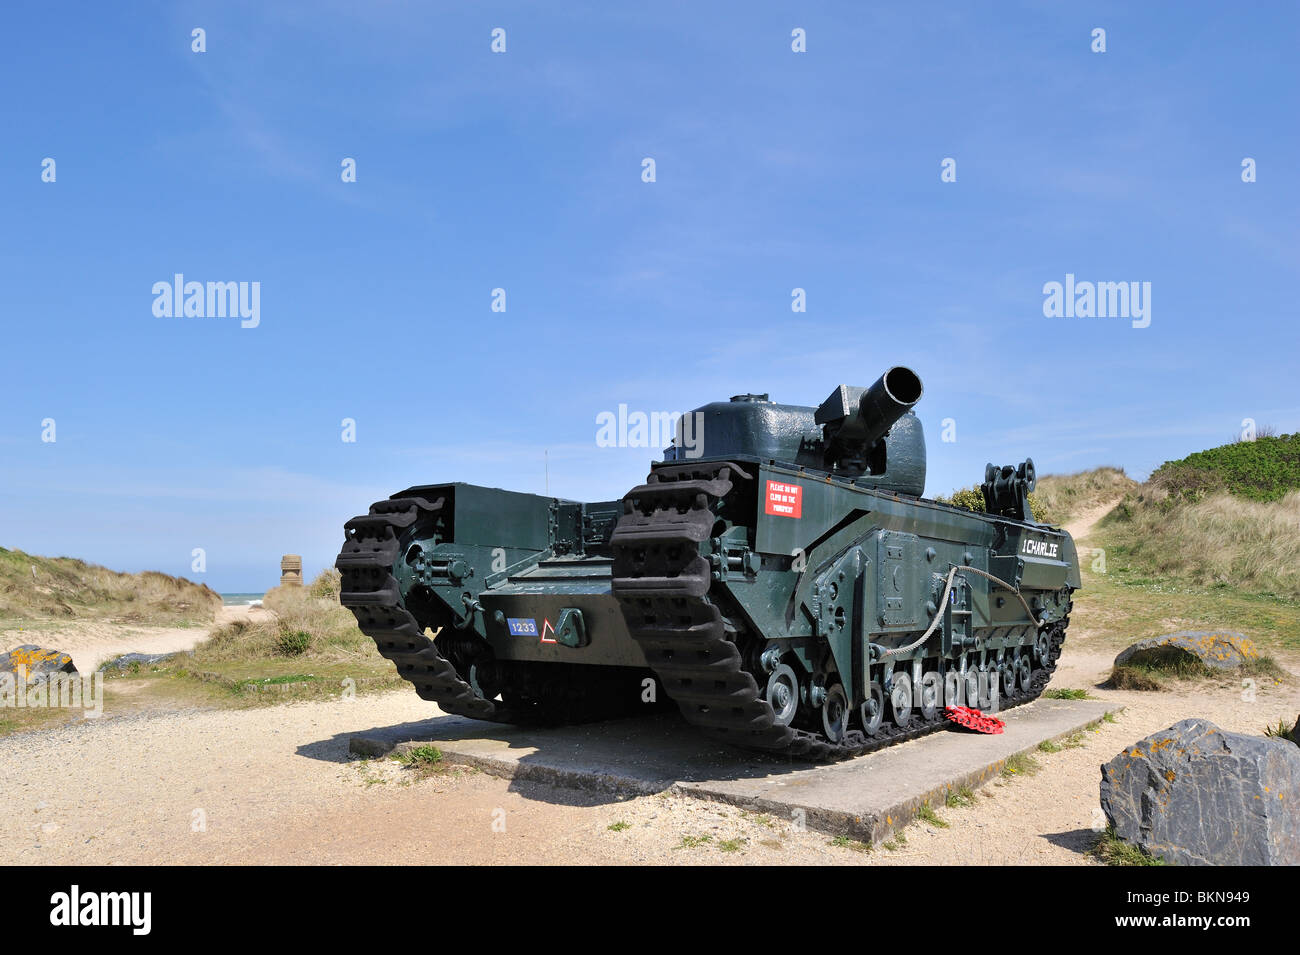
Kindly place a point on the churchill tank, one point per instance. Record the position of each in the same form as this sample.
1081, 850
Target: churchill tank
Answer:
780, 579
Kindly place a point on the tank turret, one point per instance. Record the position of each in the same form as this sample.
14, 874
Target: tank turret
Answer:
855, 420
867, 434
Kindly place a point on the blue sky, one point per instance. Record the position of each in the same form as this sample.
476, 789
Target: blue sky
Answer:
522, 170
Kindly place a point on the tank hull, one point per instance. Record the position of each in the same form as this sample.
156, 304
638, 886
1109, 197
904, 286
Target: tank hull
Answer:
789, 590
791, 569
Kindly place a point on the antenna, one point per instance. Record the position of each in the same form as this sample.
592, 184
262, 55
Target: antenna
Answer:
546, 458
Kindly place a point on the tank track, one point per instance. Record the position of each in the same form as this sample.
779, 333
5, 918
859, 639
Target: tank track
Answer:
370, 591
530, 693
663, 584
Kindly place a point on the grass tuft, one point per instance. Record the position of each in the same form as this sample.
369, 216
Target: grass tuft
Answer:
1283, 731
896, 843
1020, 764
292, 643
960, 798
1112, 850
693, 842
927, 814
845, 842
426, 755
1067, 694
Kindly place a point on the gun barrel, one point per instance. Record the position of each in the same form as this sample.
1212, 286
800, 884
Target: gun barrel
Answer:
891, 397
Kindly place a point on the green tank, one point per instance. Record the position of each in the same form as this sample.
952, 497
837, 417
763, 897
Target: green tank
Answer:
780, 578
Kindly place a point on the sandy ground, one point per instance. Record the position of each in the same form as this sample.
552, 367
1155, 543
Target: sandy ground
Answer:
275, 785
1082, 525
90, 643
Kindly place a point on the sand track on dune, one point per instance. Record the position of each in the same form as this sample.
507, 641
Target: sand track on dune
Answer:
1083, 523
91, 642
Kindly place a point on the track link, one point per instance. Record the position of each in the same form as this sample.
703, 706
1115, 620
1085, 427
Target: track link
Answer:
370, 549
664, 584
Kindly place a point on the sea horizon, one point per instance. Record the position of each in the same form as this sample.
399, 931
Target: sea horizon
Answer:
242, 598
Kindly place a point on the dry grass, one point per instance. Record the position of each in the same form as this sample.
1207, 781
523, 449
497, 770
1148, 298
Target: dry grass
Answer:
1124, 677
1222, 540
1112, 850
1115, 609
1156, 669
1065, 496
39, 589
308, 647
309, 624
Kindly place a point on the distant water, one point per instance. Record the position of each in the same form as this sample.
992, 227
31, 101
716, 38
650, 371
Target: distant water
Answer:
242, 600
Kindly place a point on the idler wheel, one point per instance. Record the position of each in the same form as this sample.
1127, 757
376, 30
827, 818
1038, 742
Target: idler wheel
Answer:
900, 699
783, 693
835, 713
872, 710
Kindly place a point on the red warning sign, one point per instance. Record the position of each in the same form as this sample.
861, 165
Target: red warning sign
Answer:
784, 500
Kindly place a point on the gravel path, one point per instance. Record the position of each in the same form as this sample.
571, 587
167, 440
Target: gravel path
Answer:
275, 785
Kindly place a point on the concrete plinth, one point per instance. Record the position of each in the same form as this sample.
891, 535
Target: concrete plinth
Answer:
868, 798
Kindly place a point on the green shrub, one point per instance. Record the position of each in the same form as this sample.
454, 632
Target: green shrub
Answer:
426, 755
292, 643
1265, 469
972, 499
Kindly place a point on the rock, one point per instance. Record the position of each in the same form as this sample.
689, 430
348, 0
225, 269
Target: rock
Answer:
1196, 795
39, 661
144, 659
1220, 649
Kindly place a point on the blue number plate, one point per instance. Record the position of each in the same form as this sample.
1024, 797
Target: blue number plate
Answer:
522, 626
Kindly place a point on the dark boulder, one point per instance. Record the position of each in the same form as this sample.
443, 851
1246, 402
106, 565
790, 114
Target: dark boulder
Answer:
1196, 795
1218, 649
39, 661
125, 661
